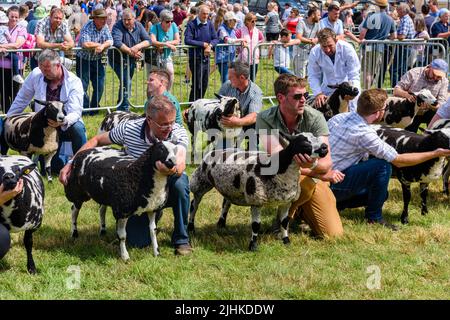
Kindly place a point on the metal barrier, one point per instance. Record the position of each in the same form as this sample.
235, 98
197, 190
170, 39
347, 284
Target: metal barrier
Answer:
381, 57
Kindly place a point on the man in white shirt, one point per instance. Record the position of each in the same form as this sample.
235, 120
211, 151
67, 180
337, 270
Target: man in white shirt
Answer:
332, 62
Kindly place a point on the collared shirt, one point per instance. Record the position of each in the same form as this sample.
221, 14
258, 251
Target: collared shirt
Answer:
323, 72
379, 26
352, 140
444, 110
406, 27
35, 87
53, 94
43, 28
131, 135
311, 121
250, 100
90, 33
337, 27
416, 79
437, 28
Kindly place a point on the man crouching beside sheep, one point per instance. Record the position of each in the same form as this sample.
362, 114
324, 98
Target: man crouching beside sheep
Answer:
316, 202
137, 136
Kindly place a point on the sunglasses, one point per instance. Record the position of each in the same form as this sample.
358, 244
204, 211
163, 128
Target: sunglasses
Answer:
168, 21
253, 21
299, 96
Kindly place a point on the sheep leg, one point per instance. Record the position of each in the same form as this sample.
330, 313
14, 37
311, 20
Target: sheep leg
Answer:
152, 226
122, 235
406, 189
102, 213
75, 211
256, 225
199, 187
48, 165
223, 215
424, 195
446, 177
28, 242
283, 217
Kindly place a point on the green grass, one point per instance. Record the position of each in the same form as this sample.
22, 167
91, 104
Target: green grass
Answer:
413, 262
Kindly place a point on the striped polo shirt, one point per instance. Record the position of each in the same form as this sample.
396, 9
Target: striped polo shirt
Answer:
131, 135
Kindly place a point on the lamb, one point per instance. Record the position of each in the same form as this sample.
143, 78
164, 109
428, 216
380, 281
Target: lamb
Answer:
25, 211
339, 99
29, 133
401, 113
113, 119
254, 179
404, 142
205, 114
129, 186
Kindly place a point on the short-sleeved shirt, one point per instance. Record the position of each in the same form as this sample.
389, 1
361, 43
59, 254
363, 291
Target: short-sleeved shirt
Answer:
337, 27
43, 29
90, 33
311, 121
273, 25
250, 100
306, 30
444, 110
415, 80
171, 97
162, 36
15, 33
379, 26
353, 140
406, 27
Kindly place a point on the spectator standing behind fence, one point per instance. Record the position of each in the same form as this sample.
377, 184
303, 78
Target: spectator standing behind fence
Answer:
111, 14
30, 12
5, 37
332, 21
51, 81
305, 39
332, 62
165, 37
434, 8
417, 56
352, 141
178, 14
227, 35
77, 18
440, 27
429, 19
273, 25
281, 57
237, 9
252, 36
130, 37
432, 77
250, 100
377, 26
405, 31
8, 87
201, 34
286, 12
95, 38
23, 14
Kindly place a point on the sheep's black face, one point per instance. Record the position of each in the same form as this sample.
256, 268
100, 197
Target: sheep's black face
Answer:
346, 89
10, 178
309, 144
230, 106
55, 111
165, 152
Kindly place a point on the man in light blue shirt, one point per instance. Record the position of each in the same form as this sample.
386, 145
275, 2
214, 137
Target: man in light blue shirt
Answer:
332, 20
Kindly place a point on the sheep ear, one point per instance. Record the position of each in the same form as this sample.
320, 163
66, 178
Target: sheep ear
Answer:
27, 169
44, 103
429, 131
218, 96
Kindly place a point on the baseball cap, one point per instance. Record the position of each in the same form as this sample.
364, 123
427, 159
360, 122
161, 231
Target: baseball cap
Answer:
440, 67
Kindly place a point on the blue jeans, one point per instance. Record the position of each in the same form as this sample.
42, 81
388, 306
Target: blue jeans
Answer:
138, 233
125, 81
76, 134
365, 184
93, 71
14, 63
223, 70
282, 70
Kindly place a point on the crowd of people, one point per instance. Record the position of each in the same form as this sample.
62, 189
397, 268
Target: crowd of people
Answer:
355, 172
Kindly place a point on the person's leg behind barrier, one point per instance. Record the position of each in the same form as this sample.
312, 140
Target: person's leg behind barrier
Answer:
82, 68
98, 83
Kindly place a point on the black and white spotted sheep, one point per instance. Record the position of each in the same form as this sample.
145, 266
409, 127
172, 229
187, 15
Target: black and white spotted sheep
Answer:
113, 119
254, 179
401, 113
129, 186
29, 133
25, 211
405, 142
338, 101
205, 114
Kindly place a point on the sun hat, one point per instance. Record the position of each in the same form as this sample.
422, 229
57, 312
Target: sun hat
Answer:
381, 3
40, 13
229, 16
98, 13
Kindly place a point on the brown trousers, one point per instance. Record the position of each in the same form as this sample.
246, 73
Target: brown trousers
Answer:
318, 206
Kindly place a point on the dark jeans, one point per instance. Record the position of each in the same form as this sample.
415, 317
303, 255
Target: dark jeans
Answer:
282, 70
399, 65
365, 184
33, 63
253, 71
93, 71
138, 233
125, 76
8, 89
14, 63
200, 77
223, 70
76, 134
5, 241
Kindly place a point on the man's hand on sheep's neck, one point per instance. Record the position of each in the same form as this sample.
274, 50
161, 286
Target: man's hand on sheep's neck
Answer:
164, 170
54, 124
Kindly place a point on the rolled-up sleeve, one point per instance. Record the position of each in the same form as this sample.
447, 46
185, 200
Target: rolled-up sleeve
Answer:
373, 144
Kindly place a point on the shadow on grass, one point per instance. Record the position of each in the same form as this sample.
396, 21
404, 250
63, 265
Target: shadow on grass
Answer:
4, 266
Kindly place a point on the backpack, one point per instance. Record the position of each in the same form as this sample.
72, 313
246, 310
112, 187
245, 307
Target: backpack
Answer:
30, 43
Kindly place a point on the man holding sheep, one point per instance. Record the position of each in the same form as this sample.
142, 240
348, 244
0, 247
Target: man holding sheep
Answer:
137, 136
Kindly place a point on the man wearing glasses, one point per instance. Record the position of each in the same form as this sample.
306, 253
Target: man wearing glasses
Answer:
317, 204
137, 136
432, 77
365, 159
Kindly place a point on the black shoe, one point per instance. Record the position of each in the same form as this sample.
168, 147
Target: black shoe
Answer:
183, 249
385, 224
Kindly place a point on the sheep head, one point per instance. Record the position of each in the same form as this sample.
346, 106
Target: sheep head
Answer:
306, 142
425, 96
346, 90
165, 152
10, 178
54, 110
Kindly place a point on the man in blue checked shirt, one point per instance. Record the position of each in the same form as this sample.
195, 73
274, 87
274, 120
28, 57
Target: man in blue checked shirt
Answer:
95, 38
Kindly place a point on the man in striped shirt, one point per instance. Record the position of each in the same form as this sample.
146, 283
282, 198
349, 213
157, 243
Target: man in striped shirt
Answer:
364, 159
137, 136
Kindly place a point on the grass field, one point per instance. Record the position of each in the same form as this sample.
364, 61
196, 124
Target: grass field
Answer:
368, 262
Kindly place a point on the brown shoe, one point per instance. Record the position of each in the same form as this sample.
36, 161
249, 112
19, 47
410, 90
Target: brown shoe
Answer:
183, 249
